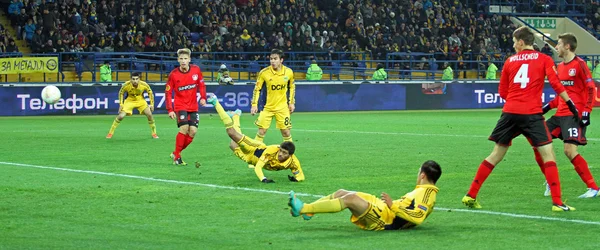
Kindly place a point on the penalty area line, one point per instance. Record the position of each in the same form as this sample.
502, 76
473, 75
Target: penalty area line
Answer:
522, 216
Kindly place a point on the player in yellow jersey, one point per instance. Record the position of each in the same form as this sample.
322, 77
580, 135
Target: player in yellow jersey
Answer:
135, 100
273, 157
277, 79
372, 213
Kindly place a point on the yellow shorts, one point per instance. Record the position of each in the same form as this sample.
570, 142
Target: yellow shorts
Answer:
247, 149
377, 215
140, 105
282, 119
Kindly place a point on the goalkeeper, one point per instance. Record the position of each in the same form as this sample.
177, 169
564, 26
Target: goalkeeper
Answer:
272, 157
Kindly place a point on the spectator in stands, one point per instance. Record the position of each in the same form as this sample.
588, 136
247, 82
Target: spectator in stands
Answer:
105, 72
547, 50
314, 72
379, 74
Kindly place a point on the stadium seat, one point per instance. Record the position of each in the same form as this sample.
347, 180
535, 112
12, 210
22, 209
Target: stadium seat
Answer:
139, 66
362, 69
194, 37
335, 69
79, 68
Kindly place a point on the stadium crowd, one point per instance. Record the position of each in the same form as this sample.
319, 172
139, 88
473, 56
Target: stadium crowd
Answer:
447, 28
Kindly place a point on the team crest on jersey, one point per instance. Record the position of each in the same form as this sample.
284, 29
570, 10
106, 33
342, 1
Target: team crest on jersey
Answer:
195, 77
572, 72
285, 78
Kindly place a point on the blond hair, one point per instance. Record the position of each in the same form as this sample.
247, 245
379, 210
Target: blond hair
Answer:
184, 51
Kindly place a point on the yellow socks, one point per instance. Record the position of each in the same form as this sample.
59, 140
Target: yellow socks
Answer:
152, 125
289, 138
223, 115
114, 126
259, 137
325, 198
327, 206
236, 123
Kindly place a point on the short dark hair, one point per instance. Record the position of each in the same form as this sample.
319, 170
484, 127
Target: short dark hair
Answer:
432, 170
570, 39
135, 74
523, 33
289, 146
277, 52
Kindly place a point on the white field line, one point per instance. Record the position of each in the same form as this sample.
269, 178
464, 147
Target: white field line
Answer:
523, 216
332, 131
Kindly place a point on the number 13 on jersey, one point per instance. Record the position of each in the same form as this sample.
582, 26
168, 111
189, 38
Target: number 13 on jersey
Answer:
522, 76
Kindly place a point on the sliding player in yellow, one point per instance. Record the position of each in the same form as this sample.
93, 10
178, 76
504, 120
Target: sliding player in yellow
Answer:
272, 157
135, 100
277, 79
372, 213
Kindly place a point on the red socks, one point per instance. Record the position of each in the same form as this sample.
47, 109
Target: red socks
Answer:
582, 169
179, 144
538, 159
551, 173
188, 141
485, 168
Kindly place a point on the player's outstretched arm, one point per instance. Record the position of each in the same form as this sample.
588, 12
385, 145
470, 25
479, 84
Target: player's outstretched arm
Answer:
296, 168
258, 170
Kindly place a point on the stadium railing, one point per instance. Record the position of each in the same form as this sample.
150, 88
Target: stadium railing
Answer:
558, 8
155, 67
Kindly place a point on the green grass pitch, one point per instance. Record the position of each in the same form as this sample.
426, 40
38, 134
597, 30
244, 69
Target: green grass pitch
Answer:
64, 186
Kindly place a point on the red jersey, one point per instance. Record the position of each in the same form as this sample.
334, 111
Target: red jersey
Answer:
185, 85
575, 76
522, 82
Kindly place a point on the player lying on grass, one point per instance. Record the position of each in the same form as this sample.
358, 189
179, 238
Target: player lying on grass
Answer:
273, 157
372, 213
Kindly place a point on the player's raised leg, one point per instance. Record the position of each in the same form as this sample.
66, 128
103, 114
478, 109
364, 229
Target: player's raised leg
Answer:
116, 123
582, 169
484, 171
151, 123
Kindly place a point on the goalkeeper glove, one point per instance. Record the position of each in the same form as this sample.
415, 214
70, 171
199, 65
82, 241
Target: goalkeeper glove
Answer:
292, 178
546, 108
585, 119
265, 180
573, 108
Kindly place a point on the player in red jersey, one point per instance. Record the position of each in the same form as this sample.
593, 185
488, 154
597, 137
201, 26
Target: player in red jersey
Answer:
184, 81
577, 80
521, 85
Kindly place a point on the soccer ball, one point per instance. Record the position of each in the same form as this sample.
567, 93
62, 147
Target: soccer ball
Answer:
50, 94
227, 79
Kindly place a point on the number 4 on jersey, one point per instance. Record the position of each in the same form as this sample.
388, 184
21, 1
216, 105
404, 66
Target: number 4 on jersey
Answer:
521, 77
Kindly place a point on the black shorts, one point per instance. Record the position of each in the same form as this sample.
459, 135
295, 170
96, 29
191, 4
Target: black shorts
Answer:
567, 128
187, 118
533, 127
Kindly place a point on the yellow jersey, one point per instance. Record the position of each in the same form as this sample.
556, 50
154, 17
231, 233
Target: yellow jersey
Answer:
266, 158
277, 84
135, 93
414, 207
